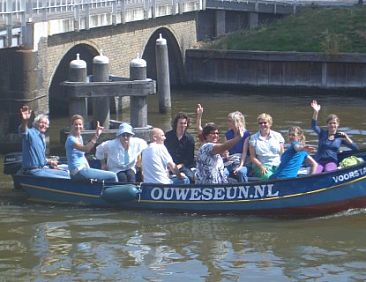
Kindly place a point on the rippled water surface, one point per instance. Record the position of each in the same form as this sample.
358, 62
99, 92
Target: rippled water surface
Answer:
56, 243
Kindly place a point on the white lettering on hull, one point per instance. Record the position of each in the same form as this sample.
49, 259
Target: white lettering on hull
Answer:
213, 194
349, 175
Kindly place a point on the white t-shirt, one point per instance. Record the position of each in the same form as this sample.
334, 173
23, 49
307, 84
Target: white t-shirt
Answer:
155, 159
268, 150
118, 159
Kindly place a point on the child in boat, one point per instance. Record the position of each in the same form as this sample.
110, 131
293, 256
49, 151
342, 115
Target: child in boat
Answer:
293, 158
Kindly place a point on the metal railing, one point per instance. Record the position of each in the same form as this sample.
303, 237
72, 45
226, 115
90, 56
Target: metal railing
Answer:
82, 14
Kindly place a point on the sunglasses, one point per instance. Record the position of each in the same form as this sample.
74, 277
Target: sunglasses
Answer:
262, 122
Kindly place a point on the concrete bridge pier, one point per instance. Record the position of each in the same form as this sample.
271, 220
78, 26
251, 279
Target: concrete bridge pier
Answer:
253, 20
20, 77
220, 23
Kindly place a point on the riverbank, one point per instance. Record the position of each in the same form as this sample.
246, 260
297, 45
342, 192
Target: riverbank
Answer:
326, 30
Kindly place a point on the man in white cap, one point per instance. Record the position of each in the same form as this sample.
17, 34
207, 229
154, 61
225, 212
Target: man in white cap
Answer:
121, 154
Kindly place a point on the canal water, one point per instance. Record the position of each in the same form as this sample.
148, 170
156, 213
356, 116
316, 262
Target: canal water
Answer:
55, 243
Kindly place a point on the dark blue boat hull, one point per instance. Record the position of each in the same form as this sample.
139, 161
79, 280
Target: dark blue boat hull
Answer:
304, 196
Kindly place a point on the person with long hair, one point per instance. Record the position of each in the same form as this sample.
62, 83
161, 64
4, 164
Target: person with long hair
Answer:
180, 145
295, 155
329, 141
75, 153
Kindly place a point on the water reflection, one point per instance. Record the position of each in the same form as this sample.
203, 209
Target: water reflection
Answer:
46, 243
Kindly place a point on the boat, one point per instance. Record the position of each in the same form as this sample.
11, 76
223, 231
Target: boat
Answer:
305, 196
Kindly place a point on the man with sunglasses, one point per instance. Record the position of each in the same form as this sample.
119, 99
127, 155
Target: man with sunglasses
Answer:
122, 154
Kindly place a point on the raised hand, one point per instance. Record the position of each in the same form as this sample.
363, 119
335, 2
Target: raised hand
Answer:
314, 104
25, 113
199, 110
98, 130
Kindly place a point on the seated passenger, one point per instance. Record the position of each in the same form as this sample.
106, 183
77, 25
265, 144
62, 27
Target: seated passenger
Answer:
156, 162
265, 147
293, 158
121, 154
329, 140
209, 161
180, 145
235, 158
75, 153
239, 152
34, 159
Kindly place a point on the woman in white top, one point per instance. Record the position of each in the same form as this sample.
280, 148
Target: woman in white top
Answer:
266, 148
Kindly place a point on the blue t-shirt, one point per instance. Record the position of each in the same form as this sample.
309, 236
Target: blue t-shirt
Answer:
75, 158
238, 147
33, 148
291, 161
328, 149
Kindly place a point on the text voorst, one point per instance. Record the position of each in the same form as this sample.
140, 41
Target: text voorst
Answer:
350, 175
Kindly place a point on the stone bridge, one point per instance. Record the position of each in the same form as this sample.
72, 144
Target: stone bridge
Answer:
39, 38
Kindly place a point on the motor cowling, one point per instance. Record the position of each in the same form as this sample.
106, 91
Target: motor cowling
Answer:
12, 163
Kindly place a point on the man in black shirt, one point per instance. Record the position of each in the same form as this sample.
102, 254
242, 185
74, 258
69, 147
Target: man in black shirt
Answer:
180, 145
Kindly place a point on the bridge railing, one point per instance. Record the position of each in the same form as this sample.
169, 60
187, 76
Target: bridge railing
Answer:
70, 15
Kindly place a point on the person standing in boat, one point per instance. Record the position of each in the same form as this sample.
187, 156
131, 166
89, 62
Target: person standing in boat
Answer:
122, 154
180, 145
75, 153
34, 159
209, 161
329, 141
265, 147
156, 162
295, 155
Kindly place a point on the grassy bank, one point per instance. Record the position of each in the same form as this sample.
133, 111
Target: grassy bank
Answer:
328, 30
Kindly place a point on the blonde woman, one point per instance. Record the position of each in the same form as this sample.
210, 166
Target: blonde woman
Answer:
295, 155
265, 147
239, 152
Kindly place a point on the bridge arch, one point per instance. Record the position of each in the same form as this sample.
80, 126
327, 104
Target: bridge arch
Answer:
58, 102
176, 66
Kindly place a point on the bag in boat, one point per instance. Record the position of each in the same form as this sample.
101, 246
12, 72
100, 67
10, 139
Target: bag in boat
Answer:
350, 161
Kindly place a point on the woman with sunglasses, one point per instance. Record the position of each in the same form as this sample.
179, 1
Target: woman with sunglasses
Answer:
265, 147
236, 156
209, 161
329, 140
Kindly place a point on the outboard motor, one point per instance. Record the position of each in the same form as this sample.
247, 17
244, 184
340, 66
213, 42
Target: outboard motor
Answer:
12, 163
